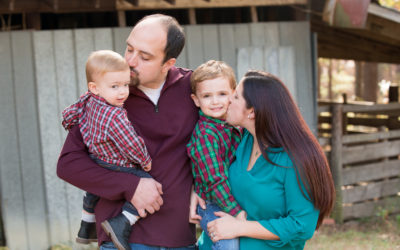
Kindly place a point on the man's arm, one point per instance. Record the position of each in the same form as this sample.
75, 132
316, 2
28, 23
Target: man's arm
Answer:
75, 167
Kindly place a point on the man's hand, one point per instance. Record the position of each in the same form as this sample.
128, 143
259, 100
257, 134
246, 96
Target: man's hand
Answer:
147, 196
194, 201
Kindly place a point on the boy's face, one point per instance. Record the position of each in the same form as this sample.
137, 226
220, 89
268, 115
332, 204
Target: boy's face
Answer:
112, 86
212, 97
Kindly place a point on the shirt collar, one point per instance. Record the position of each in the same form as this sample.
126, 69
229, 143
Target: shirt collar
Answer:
215, 121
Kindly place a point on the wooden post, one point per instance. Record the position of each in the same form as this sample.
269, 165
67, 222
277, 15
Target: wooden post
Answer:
393, 97
254, 16
192, 16
121, 18
336, 159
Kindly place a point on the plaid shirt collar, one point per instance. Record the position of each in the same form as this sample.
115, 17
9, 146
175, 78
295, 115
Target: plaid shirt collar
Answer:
209, 119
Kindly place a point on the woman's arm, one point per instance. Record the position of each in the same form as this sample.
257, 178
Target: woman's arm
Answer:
229, 227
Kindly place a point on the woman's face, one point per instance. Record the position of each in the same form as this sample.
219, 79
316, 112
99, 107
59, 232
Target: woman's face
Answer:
237, 114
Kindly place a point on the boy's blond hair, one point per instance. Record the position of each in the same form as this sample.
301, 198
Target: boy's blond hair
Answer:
210, 70
103, 61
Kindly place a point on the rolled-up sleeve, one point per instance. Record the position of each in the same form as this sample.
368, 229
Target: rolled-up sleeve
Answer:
301, 216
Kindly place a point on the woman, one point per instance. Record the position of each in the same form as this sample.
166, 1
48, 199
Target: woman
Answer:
281, 178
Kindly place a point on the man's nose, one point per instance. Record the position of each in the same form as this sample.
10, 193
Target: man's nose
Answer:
132, 60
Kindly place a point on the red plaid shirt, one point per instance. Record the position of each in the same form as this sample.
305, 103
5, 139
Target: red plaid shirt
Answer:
106, 131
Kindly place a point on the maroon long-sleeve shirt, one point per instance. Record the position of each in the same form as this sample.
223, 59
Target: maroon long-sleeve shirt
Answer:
166, 129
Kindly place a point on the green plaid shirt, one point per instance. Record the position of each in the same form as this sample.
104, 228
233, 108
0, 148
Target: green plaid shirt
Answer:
212, 149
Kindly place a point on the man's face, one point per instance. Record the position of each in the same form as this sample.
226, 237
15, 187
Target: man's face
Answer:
145, 53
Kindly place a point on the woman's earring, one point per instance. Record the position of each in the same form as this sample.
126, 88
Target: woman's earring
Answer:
248, 116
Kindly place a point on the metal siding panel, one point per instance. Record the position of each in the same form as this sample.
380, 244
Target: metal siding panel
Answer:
67, 94
50, 134
120, 36
210, 42
257, 34
227, 45
194, 46
29, 141
297, 34
182, 61
287, 71
12, 203
241, 35
243, 62
84, 45
103, 39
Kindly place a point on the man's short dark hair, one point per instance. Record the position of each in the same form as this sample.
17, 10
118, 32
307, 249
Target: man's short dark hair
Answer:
175, 35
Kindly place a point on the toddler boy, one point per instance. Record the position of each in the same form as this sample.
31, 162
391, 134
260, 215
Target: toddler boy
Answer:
110, 137
213, 144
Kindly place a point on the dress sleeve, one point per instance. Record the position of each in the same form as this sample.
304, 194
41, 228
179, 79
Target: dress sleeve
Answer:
75, 167
301, 216
128, 141
214, 172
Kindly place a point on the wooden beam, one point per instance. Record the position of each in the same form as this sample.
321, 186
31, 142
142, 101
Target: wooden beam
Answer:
181, 4
192, 16
254, 15
121, 18
170, 1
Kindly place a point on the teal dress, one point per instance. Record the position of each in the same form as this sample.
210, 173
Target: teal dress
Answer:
270, 195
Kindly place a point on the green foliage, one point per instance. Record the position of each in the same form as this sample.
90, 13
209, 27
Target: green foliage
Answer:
395, 4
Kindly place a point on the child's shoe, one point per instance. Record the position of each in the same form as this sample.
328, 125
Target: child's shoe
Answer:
119, 229
87, 233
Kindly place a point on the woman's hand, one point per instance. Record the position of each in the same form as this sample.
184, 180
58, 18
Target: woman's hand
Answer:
226, 227
194, 201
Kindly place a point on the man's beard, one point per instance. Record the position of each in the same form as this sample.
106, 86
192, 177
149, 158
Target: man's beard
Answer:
135, 79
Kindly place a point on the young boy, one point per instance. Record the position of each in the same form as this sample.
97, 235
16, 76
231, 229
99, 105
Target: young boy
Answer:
110, 137
213, 144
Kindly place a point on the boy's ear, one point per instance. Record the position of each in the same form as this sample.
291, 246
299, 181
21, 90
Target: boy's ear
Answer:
168, 64
93, 88
195, 100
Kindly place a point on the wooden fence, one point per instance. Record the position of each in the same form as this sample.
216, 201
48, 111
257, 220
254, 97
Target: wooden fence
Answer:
43, 71
363, 145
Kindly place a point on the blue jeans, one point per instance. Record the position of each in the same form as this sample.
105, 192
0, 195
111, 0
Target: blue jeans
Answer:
110, 246
90, 200
208, 215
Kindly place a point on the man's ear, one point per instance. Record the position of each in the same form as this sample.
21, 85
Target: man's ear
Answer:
195, 100
93, 88
168, 64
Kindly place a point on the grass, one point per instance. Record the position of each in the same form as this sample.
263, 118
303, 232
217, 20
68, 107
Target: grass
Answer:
378, 233
371, 234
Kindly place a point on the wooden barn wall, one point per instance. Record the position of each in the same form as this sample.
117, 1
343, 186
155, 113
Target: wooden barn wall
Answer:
43, 71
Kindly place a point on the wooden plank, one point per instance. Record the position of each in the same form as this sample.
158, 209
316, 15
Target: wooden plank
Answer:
119, 39
243, 61
369, 172
181, 61
29, 141
370, 151
183, 4
51, 141
12, 200
371, 136
371, 208
84, 45
257, 34
271, 48
257, 58
335, 160
103, 39
67, 94
287, 69
227, 45
297, 35
194, 46
394, 108
210, 42
271, 60
371, 191
241, 35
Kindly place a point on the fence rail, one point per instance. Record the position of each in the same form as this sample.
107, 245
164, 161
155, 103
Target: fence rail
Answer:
363, 146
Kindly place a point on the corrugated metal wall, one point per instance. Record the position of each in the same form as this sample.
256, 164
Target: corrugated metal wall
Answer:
41, 72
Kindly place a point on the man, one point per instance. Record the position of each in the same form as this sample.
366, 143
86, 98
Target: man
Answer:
163, 114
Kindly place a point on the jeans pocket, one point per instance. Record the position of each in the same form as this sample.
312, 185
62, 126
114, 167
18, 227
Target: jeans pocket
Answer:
107, 246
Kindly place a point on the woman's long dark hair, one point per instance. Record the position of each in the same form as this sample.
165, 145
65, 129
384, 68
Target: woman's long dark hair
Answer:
278, 123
